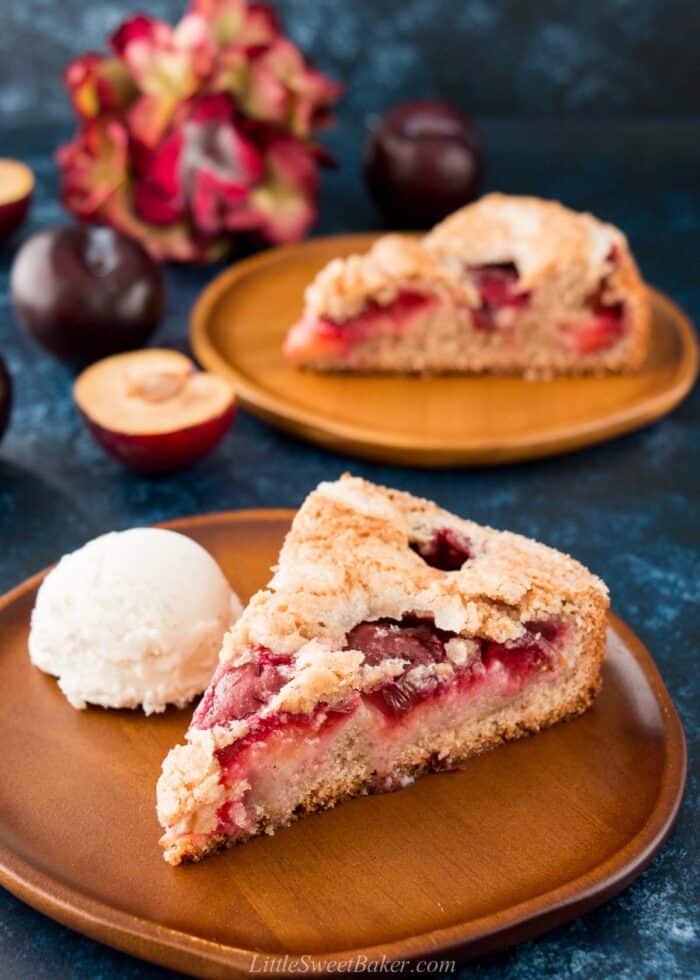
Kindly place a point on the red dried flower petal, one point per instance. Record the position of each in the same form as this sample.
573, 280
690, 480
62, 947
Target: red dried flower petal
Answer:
234, 22
286, 201
97, 84
93, 166
138, 27
158, 196
283, 88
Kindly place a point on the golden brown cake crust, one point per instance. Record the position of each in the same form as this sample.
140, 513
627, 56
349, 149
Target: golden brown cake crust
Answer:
534, 234
345, 286
348, 559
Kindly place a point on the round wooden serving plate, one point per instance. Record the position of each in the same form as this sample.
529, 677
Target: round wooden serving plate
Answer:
522, 839
240, 321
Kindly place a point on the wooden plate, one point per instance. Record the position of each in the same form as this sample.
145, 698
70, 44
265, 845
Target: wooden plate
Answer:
240, 321
524, 838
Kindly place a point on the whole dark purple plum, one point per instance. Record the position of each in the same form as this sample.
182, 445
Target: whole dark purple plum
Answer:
84, 291
422, 161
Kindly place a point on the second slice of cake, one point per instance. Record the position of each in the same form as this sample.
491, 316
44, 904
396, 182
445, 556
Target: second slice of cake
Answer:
393, 639
505, 285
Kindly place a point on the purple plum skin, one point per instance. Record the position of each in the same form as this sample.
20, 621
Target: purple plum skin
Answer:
12, 215
84, 292
422, 161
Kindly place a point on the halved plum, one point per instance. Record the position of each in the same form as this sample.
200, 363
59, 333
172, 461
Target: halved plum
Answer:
153, 410
16, 189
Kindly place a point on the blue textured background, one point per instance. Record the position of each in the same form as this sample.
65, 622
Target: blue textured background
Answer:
505, 57
629, 509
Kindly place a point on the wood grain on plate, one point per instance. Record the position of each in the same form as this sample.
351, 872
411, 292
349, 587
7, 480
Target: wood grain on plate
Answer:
240, 321
522, 839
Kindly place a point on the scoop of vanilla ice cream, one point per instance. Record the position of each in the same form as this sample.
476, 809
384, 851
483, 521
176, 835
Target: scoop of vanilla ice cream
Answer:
133, 618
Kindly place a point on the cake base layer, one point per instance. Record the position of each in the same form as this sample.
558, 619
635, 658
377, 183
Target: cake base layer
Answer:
440, 339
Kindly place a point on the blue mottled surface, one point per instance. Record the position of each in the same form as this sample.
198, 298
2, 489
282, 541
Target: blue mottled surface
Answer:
504, 57
628, 509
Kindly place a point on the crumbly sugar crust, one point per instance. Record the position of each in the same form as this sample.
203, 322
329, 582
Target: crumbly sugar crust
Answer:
345, 286
561, 256
348, 559
536, 235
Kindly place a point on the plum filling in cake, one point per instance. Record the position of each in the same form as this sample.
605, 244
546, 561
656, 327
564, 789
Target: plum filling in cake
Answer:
236, 693
446, 550
284, 723
599, 326
440, 673
325, 337
420, 644
597, 331
501, 296
240, 692
249, 765
392, 318
603, 323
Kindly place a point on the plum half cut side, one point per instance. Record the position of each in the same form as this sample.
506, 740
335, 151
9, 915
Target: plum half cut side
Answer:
153, 410
16, 189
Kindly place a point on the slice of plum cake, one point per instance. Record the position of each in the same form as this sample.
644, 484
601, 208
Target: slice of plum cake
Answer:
377, 311
507, 285
393, 639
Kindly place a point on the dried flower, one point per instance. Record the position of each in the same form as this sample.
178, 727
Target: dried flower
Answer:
194, 133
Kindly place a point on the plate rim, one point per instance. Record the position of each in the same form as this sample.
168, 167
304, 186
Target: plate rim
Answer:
367, 443
178, 950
